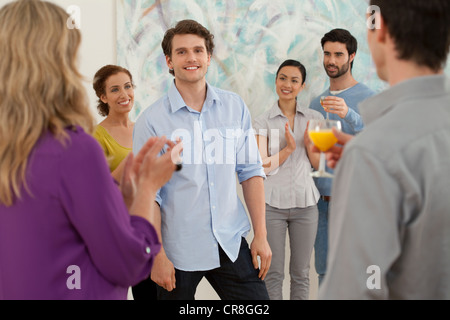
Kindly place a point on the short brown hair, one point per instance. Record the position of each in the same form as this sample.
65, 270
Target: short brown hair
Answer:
419, 28
99, 85
187, 27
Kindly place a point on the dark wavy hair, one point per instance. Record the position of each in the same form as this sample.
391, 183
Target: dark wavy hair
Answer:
99, 85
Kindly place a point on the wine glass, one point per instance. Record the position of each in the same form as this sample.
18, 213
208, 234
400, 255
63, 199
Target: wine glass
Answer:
322, 99
321, 134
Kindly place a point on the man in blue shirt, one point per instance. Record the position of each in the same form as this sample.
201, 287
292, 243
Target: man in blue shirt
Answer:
341, 103
203, 222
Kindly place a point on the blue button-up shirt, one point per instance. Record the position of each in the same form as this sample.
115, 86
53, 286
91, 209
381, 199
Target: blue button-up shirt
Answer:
200, 208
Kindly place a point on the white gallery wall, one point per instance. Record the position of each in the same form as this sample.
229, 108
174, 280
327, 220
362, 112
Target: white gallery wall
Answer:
98, 27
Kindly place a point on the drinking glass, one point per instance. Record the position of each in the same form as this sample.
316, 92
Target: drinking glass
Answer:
322, 99
321, 134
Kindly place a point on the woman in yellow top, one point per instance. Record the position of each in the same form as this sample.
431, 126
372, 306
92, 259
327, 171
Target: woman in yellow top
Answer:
114, 87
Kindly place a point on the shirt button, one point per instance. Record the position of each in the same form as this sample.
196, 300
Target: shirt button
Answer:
148, 250
212, 184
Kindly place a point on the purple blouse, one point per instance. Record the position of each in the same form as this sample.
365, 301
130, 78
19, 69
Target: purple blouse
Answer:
73, 237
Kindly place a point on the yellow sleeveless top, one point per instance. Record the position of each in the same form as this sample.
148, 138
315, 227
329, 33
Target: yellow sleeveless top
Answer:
114, 152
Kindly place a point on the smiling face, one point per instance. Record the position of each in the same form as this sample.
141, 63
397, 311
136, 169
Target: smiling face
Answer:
336, 60
189, 58
289, 83
119, 93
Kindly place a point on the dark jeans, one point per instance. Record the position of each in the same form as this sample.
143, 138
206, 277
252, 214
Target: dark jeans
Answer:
145, 290
231, 281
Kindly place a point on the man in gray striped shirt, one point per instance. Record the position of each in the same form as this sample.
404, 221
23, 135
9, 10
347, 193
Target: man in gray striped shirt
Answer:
390, 209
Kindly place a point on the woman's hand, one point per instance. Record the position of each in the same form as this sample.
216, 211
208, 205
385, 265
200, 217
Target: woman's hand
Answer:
127, 181
291, 146
148, 170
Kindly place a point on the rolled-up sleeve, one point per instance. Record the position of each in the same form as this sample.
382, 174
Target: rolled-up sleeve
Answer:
248, 158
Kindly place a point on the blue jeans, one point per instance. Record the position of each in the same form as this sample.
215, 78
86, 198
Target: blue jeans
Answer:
231, 281
321, 244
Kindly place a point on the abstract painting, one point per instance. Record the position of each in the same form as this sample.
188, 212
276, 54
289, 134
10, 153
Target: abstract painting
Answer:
252, 38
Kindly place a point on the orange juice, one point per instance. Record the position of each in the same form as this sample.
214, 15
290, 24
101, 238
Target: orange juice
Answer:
322, 99
323, 139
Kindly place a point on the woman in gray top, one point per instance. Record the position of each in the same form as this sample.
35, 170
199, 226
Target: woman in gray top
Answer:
290, 192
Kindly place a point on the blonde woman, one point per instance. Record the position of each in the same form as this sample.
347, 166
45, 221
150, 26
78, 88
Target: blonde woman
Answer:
65, 230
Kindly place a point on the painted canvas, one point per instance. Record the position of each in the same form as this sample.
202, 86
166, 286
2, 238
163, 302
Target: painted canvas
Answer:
252, 37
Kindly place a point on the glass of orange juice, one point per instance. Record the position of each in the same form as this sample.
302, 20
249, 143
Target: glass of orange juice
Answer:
321, 134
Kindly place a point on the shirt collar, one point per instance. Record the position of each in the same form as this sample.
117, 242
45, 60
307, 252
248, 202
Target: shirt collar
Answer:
276, 111
177, 102
409, 90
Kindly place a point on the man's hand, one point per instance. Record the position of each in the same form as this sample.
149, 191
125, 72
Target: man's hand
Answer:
163, 272
335, 105
253, 190
260, 247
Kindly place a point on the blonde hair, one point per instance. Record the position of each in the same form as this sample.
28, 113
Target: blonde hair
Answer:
41, 89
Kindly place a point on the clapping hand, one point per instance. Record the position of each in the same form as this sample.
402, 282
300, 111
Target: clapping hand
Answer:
147, 169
